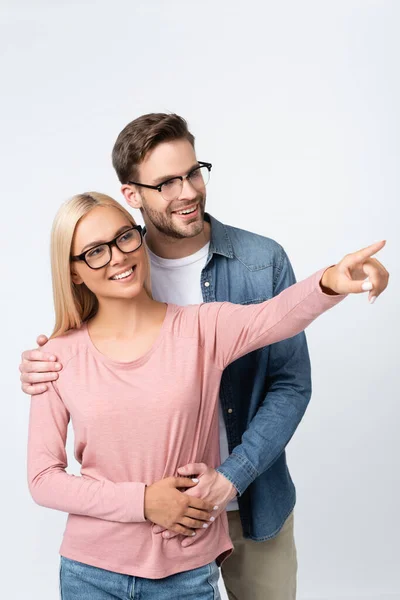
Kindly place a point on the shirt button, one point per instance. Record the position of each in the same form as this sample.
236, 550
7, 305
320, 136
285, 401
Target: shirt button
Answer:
207, 284
230, 410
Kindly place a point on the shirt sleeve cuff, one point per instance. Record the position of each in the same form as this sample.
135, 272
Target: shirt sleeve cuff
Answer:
334, 297
239, 471
134, 497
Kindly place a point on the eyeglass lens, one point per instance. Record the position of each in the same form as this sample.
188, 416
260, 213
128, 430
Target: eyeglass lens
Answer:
199, 177
100, 255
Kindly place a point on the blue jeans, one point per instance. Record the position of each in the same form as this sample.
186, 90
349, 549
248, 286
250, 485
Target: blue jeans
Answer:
83, 582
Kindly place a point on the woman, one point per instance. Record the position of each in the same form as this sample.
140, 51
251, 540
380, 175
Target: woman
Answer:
140, 383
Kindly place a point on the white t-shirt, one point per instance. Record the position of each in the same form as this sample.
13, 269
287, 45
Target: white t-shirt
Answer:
177, 281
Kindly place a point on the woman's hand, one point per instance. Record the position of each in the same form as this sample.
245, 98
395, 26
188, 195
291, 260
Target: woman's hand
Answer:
165, 505
212, 487
357, 273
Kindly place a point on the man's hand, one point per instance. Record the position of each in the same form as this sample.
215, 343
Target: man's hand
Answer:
212, 487
164, 505
357, 273
37, 368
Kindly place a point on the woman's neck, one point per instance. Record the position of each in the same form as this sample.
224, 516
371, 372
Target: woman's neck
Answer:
126, 318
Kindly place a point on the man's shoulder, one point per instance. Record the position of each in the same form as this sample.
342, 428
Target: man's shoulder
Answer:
251, 248
244, 236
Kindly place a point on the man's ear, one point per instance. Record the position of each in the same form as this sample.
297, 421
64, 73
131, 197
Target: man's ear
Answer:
132, 196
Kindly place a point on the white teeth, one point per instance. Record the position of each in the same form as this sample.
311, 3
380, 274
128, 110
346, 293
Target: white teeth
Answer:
123, 275
186, 212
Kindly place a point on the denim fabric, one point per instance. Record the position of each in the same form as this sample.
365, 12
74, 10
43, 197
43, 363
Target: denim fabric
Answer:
264, 394
79, 581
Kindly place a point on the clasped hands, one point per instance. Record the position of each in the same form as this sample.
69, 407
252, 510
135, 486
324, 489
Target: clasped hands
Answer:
192, 511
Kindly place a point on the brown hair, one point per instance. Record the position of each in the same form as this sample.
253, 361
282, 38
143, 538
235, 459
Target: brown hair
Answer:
142, 135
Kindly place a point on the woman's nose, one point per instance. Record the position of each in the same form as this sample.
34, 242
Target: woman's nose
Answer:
117, 256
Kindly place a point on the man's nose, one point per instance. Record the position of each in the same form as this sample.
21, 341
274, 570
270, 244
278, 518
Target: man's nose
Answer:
188, 191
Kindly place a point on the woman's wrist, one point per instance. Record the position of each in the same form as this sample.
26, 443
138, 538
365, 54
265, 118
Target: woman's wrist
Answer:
327, 281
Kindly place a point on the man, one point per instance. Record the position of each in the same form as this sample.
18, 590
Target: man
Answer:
195, 258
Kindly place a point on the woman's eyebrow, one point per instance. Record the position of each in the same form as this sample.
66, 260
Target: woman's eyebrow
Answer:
98, 242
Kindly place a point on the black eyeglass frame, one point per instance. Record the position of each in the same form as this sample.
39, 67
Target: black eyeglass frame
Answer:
110, 244
181, 177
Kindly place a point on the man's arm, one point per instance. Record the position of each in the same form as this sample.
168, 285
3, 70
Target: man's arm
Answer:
289, 392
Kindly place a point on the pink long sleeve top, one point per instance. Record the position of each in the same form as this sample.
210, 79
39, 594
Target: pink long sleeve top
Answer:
137, 422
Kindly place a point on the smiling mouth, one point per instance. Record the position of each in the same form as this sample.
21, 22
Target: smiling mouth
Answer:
186, 211
123, 275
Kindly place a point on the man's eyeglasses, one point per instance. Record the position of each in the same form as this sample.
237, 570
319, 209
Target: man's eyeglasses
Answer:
171, 189
99, 256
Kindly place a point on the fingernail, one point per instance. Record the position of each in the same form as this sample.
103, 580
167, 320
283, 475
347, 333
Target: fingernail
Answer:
53, 357
372, 299
367, 286
205, 526
216, 508
212, 519
57, 366
195, 480
166, 534
193, 534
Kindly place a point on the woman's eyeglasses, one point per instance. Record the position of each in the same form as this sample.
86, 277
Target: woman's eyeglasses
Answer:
99, 256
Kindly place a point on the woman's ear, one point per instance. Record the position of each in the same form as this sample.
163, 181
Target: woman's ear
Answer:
77, 279
132, 196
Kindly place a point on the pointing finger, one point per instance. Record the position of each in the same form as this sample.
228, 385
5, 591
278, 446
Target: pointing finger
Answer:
367, 252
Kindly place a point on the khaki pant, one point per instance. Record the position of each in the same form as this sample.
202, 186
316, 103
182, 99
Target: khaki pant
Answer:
260, 570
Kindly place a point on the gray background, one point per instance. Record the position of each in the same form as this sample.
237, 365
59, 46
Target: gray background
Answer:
296, 104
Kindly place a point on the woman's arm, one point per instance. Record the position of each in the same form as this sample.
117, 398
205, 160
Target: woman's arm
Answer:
242, 329
52, 487
127, 502
237, 330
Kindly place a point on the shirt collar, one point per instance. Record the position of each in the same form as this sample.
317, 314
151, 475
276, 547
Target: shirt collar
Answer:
220, 242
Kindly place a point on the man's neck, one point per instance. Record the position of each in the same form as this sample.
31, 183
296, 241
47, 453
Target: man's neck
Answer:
166, 246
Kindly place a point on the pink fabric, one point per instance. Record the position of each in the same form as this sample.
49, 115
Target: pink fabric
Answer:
137, 422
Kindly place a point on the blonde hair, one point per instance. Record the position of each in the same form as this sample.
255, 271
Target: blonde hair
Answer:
75, 304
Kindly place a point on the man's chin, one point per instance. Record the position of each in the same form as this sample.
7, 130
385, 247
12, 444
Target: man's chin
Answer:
190, 225
189, 230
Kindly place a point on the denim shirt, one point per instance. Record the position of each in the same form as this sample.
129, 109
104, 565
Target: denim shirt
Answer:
265, 393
